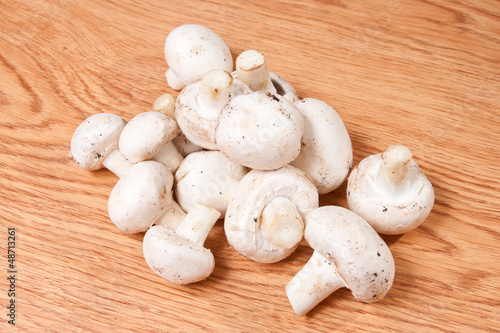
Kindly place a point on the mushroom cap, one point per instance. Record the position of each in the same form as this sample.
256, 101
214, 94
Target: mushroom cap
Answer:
145, 135
361, 257
197, 120
260, 130
326, 154
141, 196
255, 190
95, 138
191, 50
208, 178
389, 213
175, 258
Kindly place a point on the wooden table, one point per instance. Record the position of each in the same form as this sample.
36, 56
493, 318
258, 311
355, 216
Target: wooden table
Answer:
425, 74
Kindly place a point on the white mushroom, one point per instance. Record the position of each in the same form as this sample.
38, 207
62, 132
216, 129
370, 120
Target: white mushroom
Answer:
264, 219
251, 68
165, 104
390, 191
347, 253
149, 135
141, 196
94, 144
179, 256
326, 154
200, 103
208, 178
191, 50
260, 131
173, 214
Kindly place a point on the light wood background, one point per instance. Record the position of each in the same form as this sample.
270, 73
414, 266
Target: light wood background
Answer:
421, 73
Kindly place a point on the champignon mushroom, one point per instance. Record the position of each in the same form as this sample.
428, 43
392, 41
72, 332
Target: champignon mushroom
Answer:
208, 178
251, 68
149, 135
94, 144
200, 103
260, 130
165, 104
141, 196
264, 218
191, 50
390, 191
347, 253
179, 256
326, 153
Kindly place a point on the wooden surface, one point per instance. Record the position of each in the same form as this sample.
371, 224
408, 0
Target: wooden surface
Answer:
421, 73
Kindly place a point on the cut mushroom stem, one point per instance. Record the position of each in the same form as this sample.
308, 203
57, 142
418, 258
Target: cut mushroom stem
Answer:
251, 68
312, 284
197, 224
173, 216
169, 155
394, 168
282, 222
173, 80
215, 91
116, 163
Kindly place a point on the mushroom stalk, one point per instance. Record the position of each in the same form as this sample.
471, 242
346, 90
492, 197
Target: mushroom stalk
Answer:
117, 163
197, 224
173, 216
283, 223
394, 168
313, 283
215, 89
173, 80
251, 68
170, 156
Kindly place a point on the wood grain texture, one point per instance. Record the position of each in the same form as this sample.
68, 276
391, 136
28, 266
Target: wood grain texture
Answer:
423, 73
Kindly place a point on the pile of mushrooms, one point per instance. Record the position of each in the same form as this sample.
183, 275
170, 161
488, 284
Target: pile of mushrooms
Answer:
239, 144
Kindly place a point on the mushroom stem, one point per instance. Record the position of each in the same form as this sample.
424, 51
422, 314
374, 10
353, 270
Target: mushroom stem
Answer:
197, 224
215, 91
395, 167
251, 68
173, 81
282, 222
116, 163
165, 104
170, 156
313, 283
172, 217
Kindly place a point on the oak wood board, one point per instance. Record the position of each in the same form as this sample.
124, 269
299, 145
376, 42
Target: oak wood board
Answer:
422, 73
